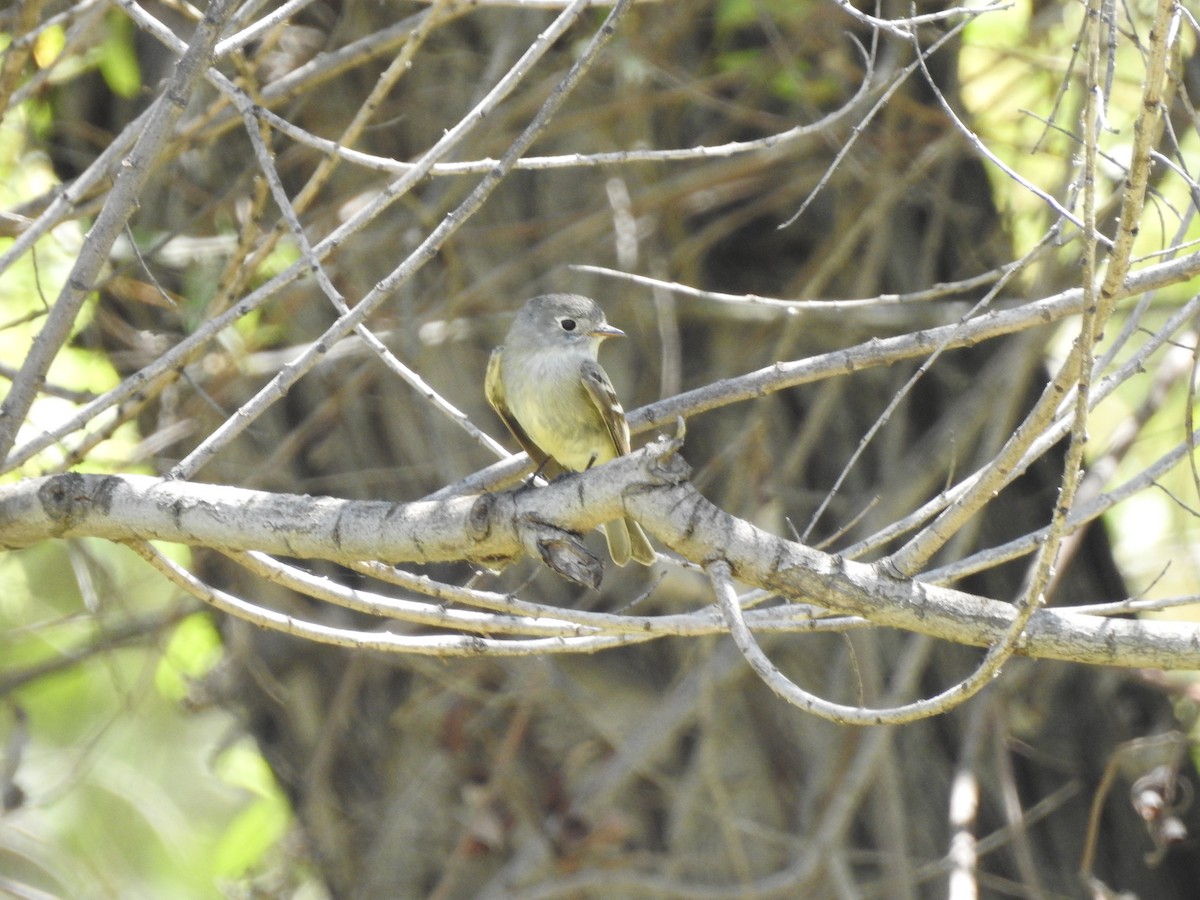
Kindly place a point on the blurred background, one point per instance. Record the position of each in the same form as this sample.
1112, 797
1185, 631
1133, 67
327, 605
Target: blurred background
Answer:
155, 749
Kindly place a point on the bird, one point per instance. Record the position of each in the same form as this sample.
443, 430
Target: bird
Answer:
548, 387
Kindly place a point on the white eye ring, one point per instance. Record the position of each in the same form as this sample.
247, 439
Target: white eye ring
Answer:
567, 324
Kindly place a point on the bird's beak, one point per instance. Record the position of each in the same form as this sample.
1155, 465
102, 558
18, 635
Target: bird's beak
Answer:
606, 331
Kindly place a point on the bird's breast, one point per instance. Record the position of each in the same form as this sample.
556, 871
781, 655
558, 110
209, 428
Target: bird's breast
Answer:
548, 398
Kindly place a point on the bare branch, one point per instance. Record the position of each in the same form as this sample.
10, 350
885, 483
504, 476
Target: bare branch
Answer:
280, 385
490, 527
122, 200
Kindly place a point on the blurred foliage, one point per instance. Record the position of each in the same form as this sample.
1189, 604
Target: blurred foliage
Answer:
124, 786
31, 285
1009, 61
1006, 63
135, 785
130, 791
117, 59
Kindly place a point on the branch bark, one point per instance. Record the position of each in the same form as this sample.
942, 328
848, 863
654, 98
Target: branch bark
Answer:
651, 485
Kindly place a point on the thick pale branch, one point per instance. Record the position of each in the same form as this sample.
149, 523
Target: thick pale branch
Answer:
680, 517
648, 484
137, 507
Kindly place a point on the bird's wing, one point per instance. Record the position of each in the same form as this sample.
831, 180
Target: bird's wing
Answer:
600, 390
493, 389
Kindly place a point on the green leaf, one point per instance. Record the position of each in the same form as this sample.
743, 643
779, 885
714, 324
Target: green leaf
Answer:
118, 61
195, 647
261, 823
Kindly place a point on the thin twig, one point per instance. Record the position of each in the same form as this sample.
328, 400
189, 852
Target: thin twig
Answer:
281, 383
121, 202
876, 352
720, 575
174, 358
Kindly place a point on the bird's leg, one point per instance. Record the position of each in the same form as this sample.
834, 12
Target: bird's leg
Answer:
531, 481
540, 470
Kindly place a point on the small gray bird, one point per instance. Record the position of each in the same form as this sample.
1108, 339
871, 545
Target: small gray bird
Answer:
546, 384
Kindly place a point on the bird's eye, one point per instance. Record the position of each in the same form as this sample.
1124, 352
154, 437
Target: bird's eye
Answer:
567, 324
